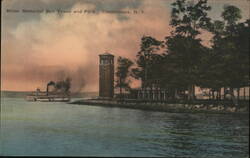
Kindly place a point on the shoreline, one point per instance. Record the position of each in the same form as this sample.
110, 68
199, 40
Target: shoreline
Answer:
166, 107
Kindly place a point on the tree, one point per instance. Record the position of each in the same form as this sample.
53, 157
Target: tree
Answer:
122, 74
188, 18
231, 15
146, 58
210, 72
183, 46
227, 61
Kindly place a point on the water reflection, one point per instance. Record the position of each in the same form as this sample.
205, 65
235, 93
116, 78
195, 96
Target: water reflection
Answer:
59, 129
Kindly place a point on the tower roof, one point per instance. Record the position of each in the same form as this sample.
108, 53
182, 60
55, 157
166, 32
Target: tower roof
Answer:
106, 54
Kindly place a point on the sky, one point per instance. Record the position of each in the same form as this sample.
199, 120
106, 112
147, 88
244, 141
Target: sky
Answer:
39, 47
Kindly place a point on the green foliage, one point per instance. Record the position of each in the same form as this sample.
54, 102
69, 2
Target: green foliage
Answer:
182, 61
186, 62
231, 51
146, 59
231, 14
184, 49
188, 17
123, 72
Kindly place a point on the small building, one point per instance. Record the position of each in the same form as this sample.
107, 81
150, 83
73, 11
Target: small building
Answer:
106, 75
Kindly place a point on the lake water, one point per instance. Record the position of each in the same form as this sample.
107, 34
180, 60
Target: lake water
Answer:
61, 129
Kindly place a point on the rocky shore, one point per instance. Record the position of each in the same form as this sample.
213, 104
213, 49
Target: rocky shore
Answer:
167, 107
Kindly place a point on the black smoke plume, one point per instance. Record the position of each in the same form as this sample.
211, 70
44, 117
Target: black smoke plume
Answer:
62, 86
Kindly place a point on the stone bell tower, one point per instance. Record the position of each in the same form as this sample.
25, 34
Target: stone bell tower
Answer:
106, 76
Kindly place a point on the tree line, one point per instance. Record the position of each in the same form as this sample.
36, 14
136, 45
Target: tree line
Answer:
181, 61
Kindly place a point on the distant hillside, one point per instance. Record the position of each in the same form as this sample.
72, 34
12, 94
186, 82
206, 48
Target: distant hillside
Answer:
15, 94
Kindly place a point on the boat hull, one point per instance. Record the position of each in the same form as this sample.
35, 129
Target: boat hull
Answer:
47, 99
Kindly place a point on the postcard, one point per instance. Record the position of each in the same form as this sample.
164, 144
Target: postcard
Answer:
125, 78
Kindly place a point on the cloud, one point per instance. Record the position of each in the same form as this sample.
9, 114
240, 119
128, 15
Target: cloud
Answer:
12, 20
37, 48
35, 51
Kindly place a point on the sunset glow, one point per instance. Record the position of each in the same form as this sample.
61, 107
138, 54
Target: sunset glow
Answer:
39, 47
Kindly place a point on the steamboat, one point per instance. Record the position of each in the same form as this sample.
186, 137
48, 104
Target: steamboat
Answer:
55, 92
